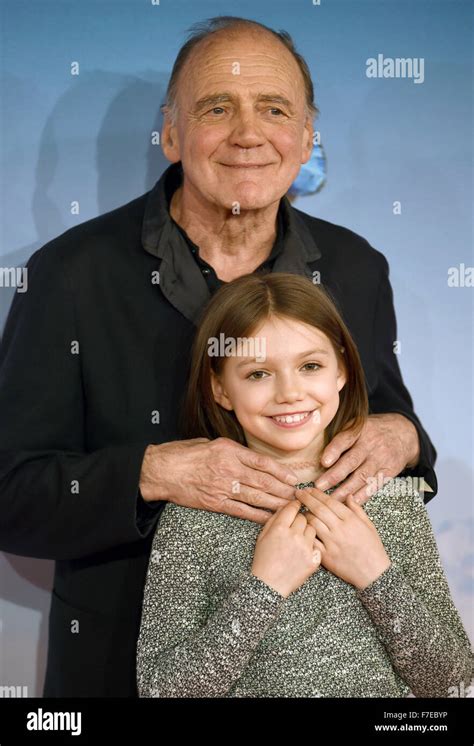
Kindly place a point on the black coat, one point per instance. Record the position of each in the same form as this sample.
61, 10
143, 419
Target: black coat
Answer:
90, 353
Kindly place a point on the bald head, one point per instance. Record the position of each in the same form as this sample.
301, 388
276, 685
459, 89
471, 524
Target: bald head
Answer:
242, 125
201, 38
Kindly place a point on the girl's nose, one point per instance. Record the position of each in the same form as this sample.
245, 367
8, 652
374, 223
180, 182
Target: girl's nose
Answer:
288, 390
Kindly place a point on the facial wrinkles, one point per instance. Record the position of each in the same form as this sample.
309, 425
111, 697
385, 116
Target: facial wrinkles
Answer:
211, 76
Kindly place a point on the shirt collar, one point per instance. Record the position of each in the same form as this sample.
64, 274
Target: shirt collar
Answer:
180, 278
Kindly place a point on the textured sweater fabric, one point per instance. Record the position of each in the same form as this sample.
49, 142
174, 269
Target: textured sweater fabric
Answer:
210, 628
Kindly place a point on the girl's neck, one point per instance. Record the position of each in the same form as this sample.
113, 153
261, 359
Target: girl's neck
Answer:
307, 471
305, 463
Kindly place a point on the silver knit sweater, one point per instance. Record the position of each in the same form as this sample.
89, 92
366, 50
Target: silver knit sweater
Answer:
210, 628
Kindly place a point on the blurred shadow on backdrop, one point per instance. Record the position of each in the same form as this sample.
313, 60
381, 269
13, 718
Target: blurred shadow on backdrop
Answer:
114, 143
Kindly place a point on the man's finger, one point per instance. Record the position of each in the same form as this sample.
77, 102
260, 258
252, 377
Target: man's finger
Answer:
267, 465
259, 499
241, 510
373, 486
344, 466
340, 443
263, 482
362, 482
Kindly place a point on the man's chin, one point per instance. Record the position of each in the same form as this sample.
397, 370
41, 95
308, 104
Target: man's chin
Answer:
246, 198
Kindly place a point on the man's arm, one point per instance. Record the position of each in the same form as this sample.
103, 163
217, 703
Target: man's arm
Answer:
57, 501
393, 441
391, 394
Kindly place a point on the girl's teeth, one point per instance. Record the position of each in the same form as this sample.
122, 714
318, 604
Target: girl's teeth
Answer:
291, 418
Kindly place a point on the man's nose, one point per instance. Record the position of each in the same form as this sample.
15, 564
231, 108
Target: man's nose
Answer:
247, 132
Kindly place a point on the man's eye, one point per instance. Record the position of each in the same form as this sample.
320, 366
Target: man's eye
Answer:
277, 110
216, 108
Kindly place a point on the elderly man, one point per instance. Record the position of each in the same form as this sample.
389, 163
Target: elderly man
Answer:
94, 357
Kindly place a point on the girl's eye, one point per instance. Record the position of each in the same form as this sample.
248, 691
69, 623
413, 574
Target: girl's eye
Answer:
256, 373
313, 366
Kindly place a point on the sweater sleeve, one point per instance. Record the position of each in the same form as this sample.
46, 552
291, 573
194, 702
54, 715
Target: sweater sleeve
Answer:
58, 500
411, 606
183, 649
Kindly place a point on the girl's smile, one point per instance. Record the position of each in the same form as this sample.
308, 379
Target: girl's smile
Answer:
291, 420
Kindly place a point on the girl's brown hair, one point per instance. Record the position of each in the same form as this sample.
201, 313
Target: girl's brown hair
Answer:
239, 308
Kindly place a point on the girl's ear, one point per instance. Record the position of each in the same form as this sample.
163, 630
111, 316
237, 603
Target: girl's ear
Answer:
341, 377
219, 393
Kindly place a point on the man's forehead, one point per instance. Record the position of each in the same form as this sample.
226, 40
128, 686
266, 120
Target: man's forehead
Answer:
254, 54
234, 78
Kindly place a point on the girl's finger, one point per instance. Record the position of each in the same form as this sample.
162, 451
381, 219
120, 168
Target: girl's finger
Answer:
300, 523
337, 507
288, 513
322, 531
321, 510
319, 545
358, 510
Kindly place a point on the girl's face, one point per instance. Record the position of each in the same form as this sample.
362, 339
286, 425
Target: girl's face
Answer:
285, 402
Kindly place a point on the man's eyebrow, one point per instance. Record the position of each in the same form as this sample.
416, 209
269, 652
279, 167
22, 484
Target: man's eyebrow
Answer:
275, 98
225, 97
249, 360
216, 98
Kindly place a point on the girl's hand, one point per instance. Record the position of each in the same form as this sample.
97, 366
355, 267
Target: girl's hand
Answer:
285, 555
350, 545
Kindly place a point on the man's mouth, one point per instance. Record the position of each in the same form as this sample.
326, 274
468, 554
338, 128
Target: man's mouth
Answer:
295, 419
245, 165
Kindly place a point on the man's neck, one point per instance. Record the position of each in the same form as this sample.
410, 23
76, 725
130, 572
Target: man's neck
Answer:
233, 245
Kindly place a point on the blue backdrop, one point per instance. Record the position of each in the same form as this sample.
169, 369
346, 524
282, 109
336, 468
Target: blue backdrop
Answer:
87, 138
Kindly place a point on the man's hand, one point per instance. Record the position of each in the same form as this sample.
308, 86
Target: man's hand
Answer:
218, 475
387, 444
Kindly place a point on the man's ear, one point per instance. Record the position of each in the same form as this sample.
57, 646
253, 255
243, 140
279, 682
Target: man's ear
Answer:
169, 140
308, 134
219, 393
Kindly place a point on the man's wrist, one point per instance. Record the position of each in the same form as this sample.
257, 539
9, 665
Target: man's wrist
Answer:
412, 443
150, 488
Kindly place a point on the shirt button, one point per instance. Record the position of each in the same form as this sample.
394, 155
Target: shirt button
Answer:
205, 271
193, 251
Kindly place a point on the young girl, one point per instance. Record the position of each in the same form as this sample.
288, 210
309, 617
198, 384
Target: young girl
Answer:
328, 599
